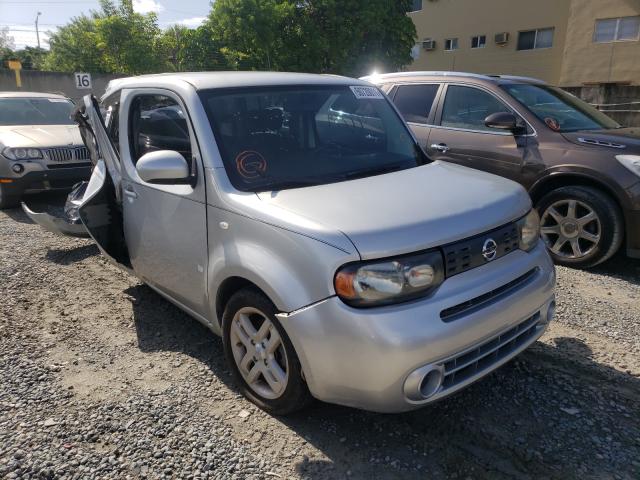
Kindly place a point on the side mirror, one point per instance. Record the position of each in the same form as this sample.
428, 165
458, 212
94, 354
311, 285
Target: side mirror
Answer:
163, 166
502, 121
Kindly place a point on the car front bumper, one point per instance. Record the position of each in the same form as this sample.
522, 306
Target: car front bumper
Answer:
39, 178
376, 359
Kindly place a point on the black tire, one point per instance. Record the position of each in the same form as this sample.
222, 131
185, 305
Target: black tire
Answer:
609, 216
8, 201
296, 395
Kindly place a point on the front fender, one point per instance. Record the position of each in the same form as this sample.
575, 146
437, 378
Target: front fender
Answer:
580, 172
293, 270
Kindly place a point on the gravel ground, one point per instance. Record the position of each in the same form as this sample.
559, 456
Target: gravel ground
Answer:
102, 378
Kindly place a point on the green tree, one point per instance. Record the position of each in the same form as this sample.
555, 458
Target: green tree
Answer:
188, 50
254, 34
114, 39
349, 37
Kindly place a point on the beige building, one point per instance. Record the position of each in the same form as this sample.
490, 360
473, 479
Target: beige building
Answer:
565, 42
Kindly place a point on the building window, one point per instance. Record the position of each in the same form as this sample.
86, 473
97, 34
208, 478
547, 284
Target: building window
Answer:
479, 41
451, 44
532, 39
416, 6
622, 29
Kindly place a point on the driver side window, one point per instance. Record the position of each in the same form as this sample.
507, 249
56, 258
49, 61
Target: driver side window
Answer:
467, 108
157, 122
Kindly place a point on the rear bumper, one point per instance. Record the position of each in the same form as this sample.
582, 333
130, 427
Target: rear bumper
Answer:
37, 178
371, 358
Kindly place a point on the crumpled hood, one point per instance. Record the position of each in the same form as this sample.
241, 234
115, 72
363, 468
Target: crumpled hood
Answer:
40, 136
409, 210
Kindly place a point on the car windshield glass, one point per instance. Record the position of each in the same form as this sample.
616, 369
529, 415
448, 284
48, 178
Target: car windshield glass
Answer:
274, 138
559, 110
35, 111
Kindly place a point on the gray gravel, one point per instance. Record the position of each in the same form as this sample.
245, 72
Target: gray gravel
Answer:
101, 378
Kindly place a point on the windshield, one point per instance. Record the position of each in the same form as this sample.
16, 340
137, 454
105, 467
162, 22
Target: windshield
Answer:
559, 110
287, 137
35, 111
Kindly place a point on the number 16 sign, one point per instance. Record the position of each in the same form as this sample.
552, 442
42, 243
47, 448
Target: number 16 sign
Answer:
83, 80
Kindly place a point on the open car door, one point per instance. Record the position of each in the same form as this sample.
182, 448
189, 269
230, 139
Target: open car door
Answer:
100, 209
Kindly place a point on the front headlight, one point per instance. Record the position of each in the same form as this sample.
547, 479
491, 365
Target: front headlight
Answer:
394, 280
631, 162
22, 153
529, 230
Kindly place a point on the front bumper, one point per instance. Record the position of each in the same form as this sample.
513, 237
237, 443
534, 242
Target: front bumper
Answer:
38, 178
367, 358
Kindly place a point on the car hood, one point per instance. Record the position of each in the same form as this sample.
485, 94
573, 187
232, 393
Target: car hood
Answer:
629, 137
40, 136
409, 210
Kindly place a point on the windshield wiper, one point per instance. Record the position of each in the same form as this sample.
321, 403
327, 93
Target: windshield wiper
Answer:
379, 170
288, 182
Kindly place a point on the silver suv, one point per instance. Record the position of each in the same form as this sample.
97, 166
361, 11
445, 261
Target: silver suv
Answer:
40, 146
296, 216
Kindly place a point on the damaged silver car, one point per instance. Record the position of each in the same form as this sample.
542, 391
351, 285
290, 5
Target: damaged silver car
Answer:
296, 216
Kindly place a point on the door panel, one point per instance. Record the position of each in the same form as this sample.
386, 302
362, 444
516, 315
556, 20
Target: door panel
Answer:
164, 225
461, 136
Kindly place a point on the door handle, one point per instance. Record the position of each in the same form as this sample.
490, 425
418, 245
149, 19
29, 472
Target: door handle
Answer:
130, 192
441, 147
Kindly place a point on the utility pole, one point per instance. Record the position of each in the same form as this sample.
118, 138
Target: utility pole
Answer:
38, 31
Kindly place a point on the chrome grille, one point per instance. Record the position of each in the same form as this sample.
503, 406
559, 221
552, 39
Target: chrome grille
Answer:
466, 254
473, 362
67, 154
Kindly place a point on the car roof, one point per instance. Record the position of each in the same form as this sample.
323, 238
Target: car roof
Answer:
31, 95
437, 75
212, 80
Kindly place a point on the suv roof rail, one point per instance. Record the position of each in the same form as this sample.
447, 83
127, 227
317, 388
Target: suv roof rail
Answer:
380, 76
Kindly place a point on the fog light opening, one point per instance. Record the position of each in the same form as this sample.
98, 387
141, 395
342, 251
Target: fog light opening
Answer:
17, 168
430, 383
551, 311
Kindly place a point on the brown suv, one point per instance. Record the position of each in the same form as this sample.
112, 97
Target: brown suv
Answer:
580, 167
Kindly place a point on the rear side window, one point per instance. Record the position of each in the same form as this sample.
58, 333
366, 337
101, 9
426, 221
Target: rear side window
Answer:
467, 108
415, 101
157, 122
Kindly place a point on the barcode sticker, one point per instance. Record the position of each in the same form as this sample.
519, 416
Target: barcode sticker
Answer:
367, 92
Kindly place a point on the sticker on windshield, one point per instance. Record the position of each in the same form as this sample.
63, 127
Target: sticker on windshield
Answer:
366, 92
251, 164
58, 100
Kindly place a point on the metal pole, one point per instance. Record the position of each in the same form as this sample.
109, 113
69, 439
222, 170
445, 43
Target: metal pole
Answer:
38, 31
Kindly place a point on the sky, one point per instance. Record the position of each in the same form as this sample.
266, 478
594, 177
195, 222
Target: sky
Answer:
19, 15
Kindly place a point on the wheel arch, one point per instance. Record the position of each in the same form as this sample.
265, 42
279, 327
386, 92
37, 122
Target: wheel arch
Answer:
228, 288
560, 179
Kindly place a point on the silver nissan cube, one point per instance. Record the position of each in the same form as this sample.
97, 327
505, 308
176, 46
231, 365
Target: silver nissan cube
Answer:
296, 216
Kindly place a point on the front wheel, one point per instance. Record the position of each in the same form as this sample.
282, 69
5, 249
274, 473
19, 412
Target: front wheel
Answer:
261, 355
581, 226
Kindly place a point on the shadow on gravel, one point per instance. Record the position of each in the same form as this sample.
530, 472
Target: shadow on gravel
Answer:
622, 267
512, 424
161, 326
67, 256
18, 215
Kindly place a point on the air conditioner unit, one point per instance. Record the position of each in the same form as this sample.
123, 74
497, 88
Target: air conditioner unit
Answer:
429, 44
502, 38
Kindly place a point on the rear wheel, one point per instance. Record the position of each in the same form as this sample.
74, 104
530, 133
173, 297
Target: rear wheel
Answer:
581, 226
8, 201
261, 356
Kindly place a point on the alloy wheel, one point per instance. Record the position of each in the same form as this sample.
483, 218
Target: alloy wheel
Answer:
259, 352
570, 228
